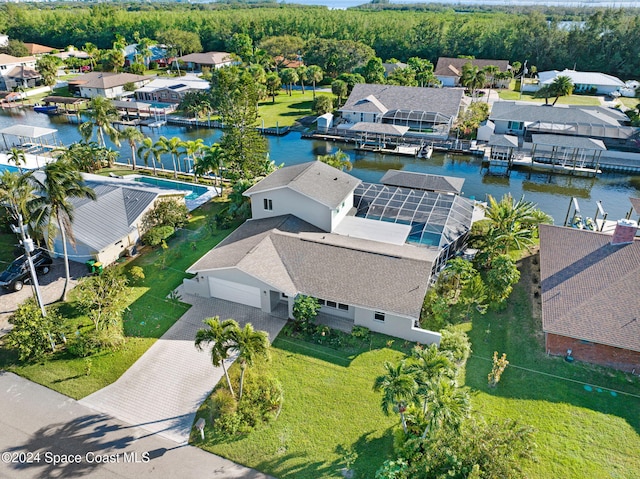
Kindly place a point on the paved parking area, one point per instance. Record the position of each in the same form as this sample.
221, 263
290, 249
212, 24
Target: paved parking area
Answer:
162, 391
51, 285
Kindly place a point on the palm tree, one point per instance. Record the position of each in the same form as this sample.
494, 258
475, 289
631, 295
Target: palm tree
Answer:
16, 192
315, 74
101, 115
510, 222
219, 336
212, 160
93, 52
249, 344
303, 75
192, 149
429, 365
339, 89
472, 78
561, 85
166, 145
133, 136
398, 390
62, 181
273, 83
339, 160
148, 150
449, 405
289, 77
18, 158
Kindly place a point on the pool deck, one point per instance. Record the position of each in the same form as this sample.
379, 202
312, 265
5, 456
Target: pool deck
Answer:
32, 162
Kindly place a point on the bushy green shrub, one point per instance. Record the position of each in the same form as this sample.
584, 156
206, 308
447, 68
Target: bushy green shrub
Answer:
157, 235
456, 342
33, 335
92, 342
360, 332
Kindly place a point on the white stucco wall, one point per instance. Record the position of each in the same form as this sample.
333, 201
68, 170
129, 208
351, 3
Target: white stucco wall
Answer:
339, 213
355, 117
286, 201
447, 81
397, 326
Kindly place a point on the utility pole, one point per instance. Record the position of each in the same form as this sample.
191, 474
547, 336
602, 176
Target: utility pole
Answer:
27, 243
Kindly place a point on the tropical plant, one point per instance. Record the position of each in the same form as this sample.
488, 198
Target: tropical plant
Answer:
339, 89
499, 365
93, 52
339, 160
47, 66
218, 334
249, 344
289, 76
33, 334
303, 76
192, 150
211, 160
448, 407
16, 192
102, 298
100, 115
562, 85
172, 146
305, 309
61, 182
273, 84
133, 136
149, 150
398, 390
17, 157
472, 78
427, 366
315, 75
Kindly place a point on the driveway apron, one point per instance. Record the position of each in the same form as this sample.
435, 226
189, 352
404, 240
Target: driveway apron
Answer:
162, 391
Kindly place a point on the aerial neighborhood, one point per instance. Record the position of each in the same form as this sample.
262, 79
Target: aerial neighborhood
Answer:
250, 239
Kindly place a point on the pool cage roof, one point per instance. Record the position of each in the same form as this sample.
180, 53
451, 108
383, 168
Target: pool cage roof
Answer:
415, 116
436, 219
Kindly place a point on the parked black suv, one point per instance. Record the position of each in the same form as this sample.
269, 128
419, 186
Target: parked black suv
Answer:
14, 277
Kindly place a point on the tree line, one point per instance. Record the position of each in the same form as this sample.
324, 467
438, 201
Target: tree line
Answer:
605, 41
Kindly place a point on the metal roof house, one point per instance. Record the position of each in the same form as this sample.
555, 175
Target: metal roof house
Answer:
590, 300
428, 112
310, 234
594, 83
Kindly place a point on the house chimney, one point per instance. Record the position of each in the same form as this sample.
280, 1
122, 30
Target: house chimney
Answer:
625, 232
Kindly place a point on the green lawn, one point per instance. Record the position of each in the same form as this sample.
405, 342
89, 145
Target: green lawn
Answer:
287, 109
329, 402
150, 314
584, 100
629, 102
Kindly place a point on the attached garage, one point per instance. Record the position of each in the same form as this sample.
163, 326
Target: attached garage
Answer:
236, 292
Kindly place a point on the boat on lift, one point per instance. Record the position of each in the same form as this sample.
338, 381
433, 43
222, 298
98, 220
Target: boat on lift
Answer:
48, 109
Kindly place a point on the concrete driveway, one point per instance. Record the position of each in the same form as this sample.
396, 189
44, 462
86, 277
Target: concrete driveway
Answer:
162, 391
51, 285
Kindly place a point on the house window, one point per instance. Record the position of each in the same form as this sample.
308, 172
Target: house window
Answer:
321, 302
268, 204
378, 316
515, 125
284, 296
361, 116
343, 307
332, 304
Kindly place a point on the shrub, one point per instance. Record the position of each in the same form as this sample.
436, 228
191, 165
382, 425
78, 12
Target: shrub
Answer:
360, 332
456, 342
92, 342
305, 309
157, 235
222, 403
169, 212
136, 273
33, 335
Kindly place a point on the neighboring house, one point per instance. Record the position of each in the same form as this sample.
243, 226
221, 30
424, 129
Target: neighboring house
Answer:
22, 77
590, 298
304, 238
282, 62
109, 227
195, 61
158, 55
450, 185
36, 49
592, 83
449, 70
389, 68
8, 63
525, 119
429, 111
171, 90
108, 85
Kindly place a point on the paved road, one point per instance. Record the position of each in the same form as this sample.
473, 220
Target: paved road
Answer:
35, 419
162, 391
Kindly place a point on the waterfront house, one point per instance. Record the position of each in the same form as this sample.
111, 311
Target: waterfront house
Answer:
589, 282
449, 70
428, 112
592, 83
171, 90
318, 231
12, 71
105, 84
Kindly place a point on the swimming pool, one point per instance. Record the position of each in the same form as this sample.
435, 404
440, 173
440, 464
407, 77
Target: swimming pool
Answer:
9, 168
196, 191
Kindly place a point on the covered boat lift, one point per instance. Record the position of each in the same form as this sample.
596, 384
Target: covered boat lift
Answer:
32, 139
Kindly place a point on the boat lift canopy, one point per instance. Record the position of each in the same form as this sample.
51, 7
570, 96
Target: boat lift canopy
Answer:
29, 135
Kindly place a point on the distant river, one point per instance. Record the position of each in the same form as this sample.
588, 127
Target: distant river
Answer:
342, 4
552, 193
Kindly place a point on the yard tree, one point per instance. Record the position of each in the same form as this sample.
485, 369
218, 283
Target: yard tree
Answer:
16, 191
249, 344
181, 41
315, 74
273, 83
192, 149
288, 47
103, 299
61, 182
289, 76
302, 76
398, 390
172, 146
100, 116
500, 279
402, 77
93, 52
218, 334
15, 48
423, 71
339, 89
133, 136
147, 150
448, 406
305, 309
17, 157
337, 56
373, 71
211, 160
561, 86
47, 66
113, 60
323, 104
242, 45
427, 366
472, 78
33, 334
339, 160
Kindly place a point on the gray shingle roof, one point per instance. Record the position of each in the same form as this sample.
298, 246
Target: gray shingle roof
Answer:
441, 100
589, 287
508, 141
294, 256
105, 80
423, 181
510, 110
447, 66
319, 181
207, 58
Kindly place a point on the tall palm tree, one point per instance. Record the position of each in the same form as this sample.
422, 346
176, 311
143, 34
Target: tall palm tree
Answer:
398, 390
133, 136
17, 157
62, 181
219, 336
449, 405
212, 160
511, 222
101, 115
147, 150
170, 145
561, 85
192, 149
249, 344
339, 160
16, 192
428, 366
93, 52
303, 75
472, 78
315, 75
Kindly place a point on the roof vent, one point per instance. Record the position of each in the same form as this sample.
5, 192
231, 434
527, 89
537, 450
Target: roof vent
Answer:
625, 232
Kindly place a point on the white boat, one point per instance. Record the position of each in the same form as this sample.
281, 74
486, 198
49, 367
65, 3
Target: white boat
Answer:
426, 152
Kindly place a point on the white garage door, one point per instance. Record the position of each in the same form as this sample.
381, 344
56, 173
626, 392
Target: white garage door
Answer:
236, 292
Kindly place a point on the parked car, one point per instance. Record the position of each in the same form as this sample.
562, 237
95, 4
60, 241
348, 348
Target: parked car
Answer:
17, 274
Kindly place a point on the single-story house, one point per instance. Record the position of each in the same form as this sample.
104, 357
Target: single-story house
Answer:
105, 84
449, 70
8, 64
36, 49
22, 76
195, 61
590, 300
425, 111
309, 235
593, 83
156, 53
525, 119
109, 227
171, 90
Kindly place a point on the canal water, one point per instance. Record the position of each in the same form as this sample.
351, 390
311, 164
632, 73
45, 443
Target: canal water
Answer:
551, 192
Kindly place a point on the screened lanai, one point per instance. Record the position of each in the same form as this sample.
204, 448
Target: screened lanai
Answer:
437, 220
418, 120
